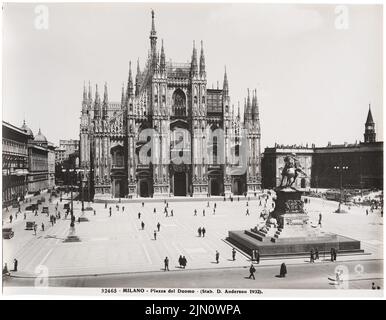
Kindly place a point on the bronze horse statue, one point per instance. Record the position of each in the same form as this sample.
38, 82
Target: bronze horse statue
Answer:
291, 171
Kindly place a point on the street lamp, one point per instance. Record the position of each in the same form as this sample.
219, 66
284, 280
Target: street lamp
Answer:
72, 224
341, 169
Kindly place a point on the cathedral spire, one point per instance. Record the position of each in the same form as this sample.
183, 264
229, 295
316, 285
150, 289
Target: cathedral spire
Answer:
163, 60
255, 105
194, 65
97, 103
123, 96
105, 103
137, 79
152, 32
89, 93
84, 92
130, 87
202, 61
153, 43
105, 95
225, 83
249, 103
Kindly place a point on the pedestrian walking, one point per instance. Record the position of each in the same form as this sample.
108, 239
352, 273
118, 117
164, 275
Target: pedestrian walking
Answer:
217, 256
312, 258
332, 254
184, 262
203, 231
320, 220
15, 263
199, 231
123, 208
35, 229
257, 256
143, 204
335, 254
247, 212
158, 226
154, 210
214, 211
233, 254
171, 212
252, 272
5, 270
155, 235
10, 218
195, 212
215, 205
166, 263
180, 262
316, 254
139, 215
42, 226
283, 270
142, 225
203, 212
367, 212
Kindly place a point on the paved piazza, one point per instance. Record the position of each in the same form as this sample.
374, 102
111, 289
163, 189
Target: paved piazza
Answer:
117, 244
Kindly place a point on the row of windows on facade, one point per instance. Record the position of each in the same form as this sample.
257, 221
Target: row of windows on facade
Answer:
14, 147
163, 97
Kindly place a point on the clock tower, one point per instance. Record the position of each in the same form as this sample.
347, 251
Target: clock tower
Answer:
369, 128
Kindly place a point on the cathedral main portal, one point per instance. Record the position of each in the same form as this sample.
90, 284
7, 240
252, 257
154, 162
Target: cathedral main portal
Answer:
180, 184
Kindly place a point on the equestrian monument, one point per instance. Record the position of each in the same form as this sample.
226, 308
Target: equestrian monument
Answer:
287, 229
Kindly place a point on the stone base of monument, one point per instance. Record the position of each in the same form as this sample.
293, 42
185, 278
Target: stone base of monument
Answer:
293, 246
72, 237
292, 234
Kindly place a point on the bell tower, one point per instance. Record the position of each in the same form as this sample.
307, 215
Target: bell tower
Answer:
369, 134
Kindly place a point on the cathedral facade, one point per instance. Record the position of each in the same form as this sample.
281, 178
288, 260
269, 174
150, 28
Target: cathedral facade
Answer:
169, 134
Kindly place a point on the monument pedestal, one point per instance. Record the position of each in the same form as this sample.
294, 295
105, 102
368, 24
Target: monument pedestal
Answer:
292, 233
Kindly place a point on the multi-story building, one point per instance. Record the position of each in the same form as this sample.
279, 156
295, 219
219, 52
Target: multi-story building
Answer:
38, 176
51, 165
273, 164
357, 165
170, 134
15, 163
69, 146
60, 155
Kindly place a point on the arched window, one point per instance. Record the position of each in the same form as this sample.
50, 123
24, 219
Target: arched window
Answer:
214, 150
179, 103
118, 157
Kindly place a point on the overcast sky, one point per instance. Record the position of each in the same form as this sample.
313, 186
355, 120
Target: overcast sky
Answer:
314, 81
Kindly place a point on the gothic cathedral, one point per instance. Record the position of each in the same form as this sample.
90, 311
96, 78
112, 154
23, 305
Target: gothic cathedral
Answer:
170, 135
